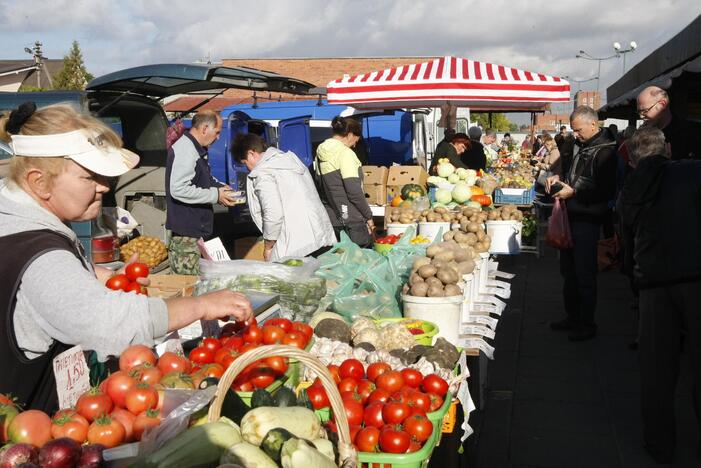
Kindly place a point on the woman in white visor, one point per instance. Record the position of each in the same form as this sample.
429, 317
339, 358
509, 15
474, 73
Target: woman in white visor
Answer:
51, 297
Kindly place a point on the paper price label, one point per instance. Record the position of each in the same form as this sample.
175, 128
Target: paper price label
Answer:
502, 274
72, 376
481, 345
172, 345
478, 330
486, 320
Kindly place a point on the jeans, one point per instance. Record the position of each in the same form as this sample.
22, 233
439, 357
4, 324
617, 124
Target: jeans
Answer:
664, 313
578, 267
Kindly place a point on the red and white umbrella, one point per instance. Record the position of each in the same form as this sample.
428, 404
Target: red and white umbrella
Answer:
450, 81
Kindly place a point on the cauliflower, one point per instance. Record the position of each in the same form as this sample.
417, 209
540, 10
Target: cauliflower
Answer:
368, 335
396, 336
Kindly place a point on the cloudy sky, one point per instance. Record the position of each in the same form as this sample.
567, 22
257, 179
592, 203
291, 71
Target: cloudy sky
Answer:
536, 35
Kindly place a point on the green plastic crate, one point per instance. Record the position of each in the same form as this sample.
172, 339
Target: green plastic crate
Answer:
430, 330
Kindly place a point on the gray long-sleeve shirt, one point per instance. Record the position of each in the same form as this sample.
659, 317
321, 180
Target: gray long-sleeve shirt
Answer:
182, 173
59, 299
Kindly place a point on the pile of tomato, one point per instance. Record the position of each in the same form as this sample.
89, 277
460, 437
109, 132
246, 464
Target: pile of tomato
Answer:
127, 281
390, 239
386, 409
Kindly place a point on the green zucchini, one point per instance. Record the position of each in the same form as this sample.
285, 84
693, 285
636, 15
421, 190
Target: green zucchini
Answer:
273, 441
262, 397
234, 407
285, 397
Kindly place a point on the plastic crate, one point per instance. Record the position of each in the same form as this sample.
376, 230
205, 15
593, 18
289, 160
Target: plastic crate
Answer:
450, 418
511, 196
426, 338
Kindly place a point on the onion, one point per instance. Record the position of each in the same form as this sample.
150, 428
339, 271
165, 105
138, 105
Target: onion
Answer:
18, 454
60, 453
91, 456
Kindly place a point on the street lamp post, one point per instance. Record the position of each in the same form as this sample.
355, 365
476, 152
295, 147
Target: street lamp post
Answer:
587, 56
579, 82
623, 52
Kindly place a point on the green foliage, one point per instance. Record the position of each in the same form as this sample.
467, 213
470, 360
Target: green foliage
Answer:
74, 75
31, 89
499, 121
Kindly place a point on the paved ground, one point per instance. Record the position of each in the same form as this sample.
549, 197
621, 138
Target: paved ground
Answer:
553, 403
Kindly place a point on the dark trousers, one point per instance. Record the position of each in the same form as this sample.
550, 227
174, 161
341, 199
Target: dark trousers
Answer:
358, 233
578, 267
664, 313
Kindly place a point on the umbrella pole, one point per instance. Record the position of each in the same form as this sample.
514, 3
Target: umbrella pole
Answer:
490, 120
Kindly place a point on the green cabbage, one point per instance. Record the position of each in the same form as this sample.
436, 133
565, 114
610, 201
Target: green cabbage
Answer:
453, 178
445, 169
461, 193
443, 196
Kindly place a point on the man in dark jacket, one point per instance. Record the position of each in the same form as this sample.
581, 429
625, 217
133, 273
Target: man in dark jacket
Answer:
660, 211
587, 187
474, 157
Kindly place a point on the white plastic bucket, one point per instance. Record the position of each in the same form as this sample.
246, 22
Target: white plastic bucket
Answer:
397, 228
506, 237
430, 230
445, 312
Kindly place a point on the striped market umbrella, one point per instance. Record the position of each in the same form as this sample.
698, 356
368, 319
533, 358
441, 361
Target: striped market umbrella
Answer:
450, 81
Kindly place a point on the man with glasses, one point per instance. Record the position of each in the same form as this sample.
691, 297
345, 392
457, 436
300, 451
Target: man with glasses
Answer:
654, 108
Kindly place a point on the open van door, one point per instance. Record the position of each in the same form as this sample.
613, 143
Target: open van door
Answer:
294, 135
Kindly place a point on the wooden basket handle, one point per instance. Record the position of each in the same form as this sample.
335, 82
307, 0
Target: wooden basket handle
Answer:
346, 451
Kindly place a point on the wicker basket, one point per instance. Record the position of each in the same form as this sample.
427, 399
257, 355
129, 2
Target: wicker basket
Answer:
346, 451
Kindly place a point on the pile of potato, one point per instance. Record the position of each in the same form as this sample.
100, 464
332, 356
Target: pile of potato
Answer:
439, 272
152, 251
439, 214
403, 215
505, 213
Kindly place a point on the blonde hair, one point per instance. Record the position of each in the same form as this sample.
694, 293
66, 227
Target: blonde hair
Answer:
58, 118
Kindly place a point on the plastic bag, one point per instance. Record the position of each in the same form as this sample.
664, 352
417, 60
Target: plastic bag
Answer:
374, 297
211, 269
559, 235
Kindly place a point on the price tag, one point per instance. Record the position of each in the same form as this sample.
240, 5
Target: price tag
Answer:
72, 376
501, 274
172, 345
479, 330
481, 345
213, 249
486, 320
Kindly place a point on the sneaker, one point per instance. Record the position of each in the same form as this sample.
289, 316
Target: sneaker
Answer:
562, 325
582, 334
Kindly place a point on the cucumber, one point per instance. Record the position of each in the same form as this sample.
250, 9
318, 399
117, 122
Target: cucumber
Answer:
261, 397
285, 397
208, 382
273, 441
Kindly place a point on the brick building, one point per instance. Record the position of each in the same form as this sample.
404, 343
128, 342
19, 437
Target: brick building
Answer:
551, 122
588, 98
318, 71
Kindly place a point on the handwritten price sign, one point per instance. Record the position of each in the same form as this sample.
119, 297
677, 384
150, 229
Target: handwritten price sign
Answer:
72, 376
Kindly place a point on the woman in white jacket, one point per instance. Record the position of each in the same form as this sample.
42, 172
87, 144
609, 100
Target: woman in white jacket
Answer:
283, 200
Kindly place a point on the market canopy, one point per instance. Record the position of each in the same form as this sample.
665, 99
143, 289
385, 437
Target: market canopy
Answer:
450, 81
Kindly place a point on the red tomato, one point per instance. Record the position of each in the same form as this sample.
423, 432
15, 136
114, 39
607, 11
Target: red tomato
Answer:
333, 370
212, 370
136, 355
118, 282
247, 347
283, 323
146, 373
144, 421
118, 385
436, 402
347, 385
403, 395
225, 357
106, 431
30, 427
135, 287
376, 369
352, 368
253, 334
368, 439
171, 362
272, 334
390, 381
262, 377
232, 328
201, 355
211, 344
277, 363
354, 411
92, 404
372, 415
140, 398
7, 399
378, 395
318, 398
418, 427
304, 329
232, 342
433, 383
295, 339
136, 270
412, 377
394, 441
421, 401
69, 424
242, 385
354, 430
126, 419
395, 413
365, 388
350, 396
413, 447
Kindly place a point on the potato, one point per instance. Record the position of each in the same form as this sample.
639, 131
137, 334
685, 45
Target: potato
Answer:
473, 227
435, 291
427, 271
433, 250
460, 255
448, 235
421, 261
440, 210
431, 217
438, 263
460, 237
452, 290
466, 267
419, 290
471, 238
505, 215
447, 275
415, 279
445, 256
433, 281
447, 217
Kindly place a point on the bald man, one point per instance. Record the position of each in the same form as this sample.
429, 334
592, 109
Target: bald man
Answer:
654, 108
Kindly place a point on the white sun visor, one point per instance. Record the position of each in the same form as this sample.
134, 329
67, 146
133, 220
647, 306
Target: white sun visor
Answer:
92, 152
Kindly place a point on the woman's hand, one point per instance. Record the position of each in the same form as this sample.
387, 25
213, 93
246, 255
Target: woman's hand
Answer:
224, 304
550, 181
371, 226
103, 274
565, 192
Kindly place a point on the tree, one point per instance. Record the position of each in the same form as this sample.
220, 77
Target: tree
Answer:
499, 121
73, 75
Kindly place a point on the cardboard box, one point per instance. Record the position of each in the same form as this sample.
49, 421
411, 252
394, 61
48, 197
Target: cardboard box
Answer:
399, 176
249, 248
166, 286
375, 184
